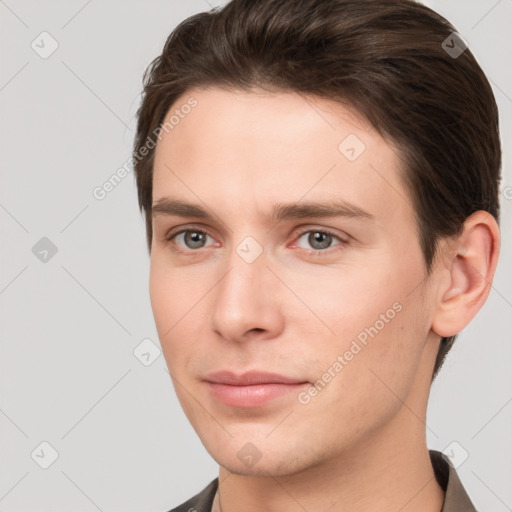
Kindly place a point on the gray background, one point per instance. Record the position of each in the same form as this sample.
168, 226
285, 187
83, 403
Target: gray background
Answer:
70, 324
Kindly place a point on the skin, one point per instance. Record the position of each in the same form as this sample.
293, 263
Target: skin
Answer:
360, 443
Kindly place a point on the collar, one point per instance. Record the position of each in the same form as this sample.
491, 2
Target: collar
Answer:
455, 497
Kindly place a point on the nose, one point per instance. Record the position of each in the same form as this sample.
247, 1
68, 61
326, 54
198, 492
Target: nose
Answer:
247, 302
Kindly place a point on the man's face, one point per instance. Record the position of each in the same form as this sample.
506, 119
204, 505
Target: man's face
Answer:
338, 303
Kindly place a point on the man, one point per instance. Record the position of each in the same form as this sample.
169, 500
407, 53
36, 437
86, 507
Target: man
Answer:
320, 184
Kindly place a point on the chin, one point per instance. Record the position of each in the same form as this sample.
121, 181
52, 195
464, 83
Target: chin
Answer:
277, 459
262, 468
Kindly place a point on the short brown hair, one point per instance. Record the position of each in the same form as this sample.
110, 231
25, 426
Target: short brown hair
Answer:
386, 58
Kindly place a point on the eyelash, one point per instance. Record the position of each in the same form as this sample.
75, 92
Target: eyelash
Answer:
311, 252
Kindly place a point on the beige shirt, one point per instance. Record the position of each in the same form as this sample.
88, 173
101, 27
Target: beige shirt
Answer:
455, 499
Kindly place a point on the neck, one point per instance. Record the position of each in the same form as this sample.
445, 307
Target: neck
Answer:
391, 472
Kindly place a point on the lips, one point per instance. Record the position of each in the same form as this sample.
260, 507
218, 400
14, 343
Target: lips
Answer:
250, 378
250, 389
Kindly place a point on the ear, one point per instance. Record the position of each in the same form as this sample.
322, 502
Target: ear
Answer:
468, 265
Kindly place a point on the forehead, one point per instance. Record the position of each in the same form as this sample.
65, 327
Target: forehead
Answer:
265, 147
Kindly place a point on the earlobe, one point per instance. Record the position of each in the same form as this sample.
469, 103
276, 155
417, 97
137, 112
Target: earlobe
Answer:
469, 271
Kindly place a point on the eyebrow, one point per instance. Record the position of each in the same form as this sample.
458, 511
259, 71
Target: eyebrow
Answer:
169, 206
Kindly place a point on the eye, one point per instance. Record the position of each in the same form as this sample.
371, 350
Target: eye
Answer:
190, 238
319, 240
314, 241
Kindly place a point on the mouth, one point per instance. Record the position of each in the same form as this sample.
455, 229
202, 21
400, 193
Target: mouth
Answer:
250, 389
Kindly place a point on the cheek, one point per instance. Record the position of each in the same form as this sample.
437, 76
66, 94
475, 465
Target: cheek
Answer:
172, 301
343, 301
162, 297
179, 320
374, 325
362, 384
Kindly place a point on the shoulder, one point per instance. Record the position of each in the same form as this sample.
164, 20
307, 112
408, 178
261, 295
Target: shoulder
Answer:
202, 501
